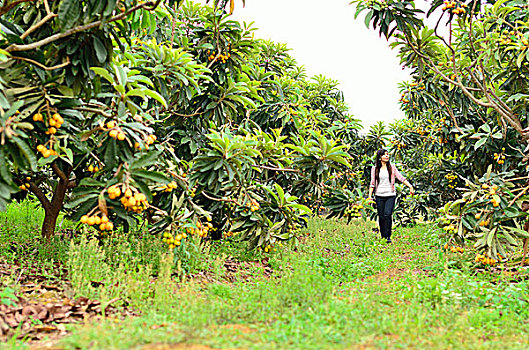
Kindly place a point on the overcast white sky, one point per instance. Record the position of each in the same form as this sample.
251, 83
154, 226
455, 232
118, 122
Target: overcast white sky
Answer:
326, 39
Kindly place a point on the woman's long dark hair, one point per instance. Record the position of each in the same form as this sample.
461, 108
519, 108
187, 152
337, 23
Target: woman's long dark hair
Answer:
378, 165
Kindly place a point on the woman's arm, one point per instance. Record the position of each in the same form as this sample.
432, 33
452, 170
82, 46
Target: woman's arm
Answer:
401, 178
412, 191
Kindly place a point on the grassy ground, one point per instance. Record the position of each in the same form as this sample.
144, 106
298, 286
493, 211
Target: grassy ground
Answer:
337, 287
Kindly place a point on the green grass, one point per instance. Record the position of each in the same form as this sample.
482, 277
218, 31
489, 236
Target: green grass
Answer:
338, 287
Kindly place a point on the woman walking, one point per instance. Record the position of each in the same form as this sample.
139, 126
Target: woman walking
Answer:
383, 176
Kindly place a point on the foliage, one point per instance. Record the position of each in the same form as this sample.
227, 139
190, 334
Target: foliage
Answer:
466, 115
489, 214
169, 115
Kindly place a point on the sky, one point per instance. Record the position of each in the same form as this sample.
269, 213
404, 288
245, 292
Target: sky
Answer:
326, 39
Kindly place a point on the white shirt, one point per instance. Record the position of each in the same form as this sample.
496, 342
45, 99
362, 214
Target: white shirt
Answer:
384, 184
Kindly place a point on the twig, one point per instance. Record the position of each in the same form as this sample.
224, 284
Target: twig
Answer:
20, 275
40, 23
518, 195
40, 196
276, 169
219, 199
93, 110
110, 302
62, 65
188, 115
14, 47
518, 178
7, 7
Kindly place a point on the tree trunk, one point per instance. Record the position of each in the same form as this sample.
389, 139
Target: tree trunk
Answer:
48, 226
53, 208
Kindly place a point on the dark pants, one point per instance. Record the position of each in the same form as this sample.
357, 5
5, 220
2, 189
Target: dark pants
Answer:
385, 207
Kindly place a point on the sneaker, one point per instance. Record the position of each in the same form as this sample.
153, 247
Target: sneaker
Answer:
388, 240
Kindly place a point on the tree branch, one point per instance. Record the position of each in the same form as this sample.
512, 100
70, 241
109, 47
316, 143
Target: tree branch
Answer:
38, 25
276, 169
93, 110
62, 65
40, 196
15, 48
62, 175
7, 7
218, 199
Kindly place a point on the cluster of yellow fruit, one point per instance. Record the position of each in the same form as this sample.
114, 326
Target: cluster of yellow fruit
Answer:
93, 168
453, 249
25, 186
149, 141
114, 132
253, 205
37, 117
484, 223
525, 43
451, 5
46, 152
193, 192
492, 191
417, 86
134, 202
169, 187
441, 140
213, 56
398, 144
500, 158
229, 234
94, 220
451, 178
420, 130
354, 211
173, 241
507, 36
403, 99
54, 122
450, 228
269, 248
485, 259
203, 229
505, 40
114, 192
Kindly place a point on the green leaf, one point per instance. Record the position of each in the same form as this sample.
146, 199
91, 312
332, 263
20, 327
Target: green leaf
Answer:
136, 92
490, 236
103, 73
91, 182
480, 143
69, 11
100, 49
512, 212
80, 200
145, 160
4, 173
151, 175
156, 96
111, 154
26, 152
301, 207
111, 5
